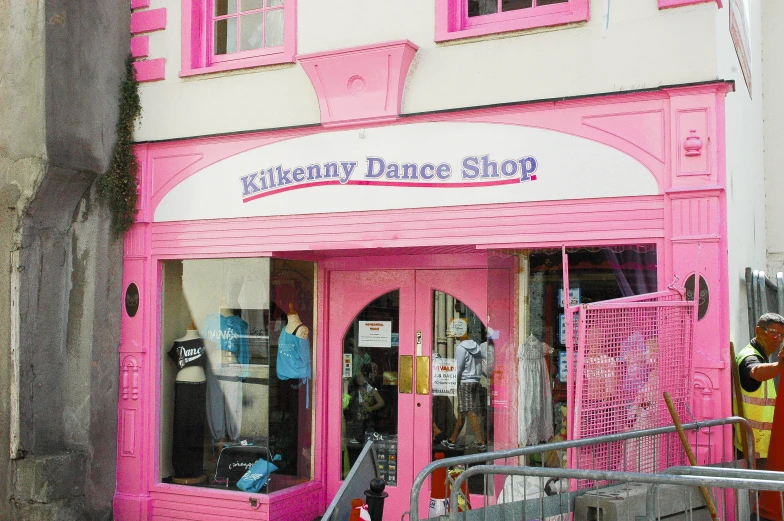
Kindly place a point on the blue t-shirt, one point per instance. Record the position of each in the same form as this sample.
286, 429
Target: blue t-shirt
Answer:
293, 362
229, 333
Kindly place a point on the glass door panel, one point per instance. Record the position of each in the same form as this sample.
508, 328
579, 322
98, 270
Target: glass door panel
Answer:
370, 378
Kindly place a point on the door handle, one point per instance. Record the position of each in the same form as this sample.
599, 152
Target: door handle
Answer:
406, 380
423, 375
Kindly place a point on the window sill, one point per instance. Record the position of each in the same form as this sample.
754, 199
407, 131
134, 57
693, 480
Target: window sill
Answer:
446, 30
244, 63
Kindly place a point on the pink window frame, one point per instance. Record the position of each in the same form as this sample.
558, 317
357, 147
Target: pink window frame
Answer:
452, 20
197, 57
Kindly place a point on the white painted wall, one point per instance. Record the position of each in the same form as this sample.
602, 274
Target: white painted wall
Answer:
773, 101
745, 177
642, 48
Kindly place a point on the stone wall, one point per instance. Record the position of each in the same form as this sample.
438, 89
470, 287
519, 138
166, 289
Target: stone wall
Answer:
61, 64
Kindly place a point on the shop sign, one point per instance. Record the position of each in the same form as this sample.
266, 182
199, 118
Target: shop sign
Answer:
418, 165
477, 170
376, 333
444, 377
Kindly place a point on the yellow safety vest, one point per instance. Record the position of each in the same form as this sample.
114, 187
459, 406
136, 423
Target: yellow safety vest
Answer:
758, 408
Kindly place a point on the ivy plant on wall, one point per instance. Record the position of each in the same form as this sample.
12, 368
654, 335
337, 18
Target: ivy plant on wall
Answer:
117, 187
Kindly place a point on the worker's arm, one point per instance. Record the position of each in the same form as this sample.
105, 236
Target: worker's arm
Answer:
764, 372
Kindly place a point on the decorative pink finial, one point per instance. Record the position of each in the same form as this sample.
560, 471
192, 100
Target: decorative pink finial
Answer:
692, 144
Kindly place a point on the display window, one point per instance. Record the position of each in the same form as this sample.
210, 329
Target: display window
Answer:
236, 387
530, 365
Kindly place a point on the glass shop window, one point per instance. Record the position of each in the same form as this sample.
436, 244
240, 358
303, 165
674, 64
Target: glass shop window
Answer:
236, 373
529, 377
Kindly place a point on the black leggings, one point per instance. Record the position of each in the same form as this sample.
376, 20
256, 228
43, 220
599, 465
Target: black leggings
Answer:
190, 413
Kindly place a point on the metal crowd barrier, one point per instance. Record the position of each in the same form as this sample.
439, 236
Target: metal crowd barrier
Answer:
510, 498
763, 295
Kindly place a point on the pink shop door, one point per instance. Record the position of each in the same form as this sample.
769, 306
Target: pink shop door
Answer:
385, 328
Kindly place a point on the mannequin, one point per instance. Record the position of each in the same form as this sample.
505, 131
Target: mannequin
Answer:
293, 361
229, 355
190, 391
294, 324
293, 370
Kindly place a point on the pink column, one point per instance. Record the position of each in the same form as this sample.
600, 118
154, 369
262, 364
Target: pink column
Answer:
131, 499
697, 227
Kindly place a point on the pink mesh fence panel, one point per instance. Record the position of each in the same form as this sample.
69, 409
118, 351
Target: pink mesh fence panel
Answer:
630, 353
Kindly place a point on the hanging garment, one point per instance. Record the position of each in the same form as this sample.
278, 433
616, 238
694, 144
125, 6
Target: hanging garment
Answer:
534, 396
224, 381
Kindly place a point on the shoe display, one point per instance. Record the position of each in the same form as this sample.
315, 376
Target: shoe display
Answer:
448, 444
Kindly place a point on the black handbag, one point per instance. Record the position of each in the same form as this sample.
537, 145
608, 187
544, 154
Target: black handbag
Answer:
234, 461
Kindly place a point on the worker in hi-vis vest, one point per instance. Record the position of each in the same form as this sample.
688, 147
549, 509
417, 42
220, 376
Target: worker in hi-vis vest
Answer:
757, 374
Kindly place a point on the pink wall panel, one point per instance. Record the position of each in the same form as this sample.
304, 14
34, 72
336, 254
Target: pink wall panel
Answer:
139, 4
148, 20
140, 46
150, 70
639, 218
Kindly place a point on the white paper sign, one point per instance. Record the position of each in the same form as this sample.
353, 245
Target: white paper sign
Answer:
347, 364
375, 333
444, 377
575, 297
458, 327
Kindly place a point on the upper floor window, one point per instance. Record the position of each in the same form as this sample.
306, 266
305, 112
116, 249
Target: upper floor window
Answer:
467, 18
219, 35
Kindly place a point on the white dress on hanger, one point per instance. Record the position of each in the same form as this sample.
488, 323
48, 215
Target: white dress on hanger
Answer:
534, 396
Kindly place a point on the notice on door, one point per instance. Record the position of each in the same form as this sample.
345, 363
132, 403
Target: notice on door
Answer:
376, 333
444, 377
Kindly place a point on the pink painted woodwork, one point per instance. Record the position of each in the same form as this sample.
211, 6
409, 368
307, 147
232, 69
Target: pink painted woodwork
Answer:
360, 84
638, 124
140, 46
148, 20
687, 221
139, 4
349, 293
665, 4
150, 70
453, 23
196, 50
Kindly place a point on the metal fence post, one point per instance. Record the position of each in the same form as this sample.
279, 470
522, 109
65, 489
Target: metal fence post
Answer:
750, 301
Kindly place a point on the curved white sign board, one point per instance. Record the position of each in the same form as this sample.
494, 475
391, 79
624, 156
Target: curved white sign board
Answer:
420, 165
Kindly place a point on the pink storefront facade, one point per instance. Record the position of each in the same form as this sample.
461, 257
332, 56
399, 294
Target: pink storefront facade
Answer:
642, 170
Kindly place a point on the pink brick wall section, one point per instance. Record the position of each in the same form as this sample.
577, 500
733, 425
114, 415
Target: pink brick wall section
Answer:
150, 70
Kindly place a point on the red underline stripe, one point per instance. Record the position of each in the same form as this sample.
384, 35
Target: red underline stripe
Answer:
383, 183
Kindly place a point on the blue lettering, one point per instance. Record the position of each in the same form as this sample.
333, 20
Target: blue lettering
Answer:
271, 174
488, 165
348, 168
470, 164
249, 186
393, 171
298, 174
314, 172
374, 162
330, 170
509, 168
528, 165
283, 176
423, 172
410, 168
444, 171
